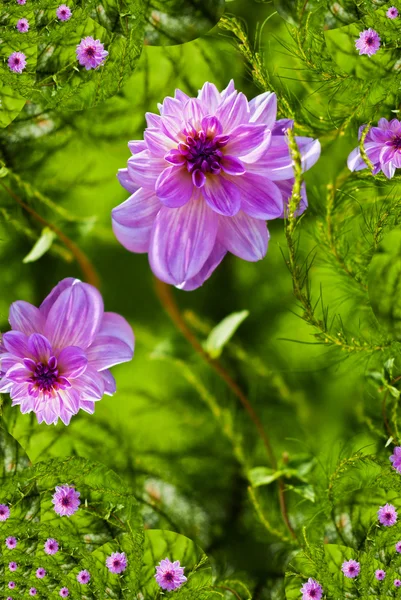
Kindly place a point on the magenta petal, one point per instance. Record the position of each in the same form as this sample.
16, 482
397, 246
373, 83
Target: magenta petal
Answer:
263, 109
106, 351
210, 97
75, 317
70, 400
388, 170
88, 406
90, 384
233, 111
260, 197
174, 187
109, 382
72, 362
133, 220
116, 326
222, 195
355, 161
232, 166
16, 343
182, 240
39, 347
26, 318
144, 169
126, 182
18, 373
244, 236
198, 178
157, 142
55, 293
246, 138
194, 112
215, 258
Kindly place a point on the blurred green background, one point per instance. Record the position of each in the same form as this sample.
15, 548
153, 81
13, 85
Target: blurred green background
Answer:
158, 432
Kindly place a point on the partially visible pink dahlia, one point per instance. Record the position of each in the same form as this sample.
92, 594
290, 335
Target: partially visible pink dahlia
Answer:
66, 500
64, 12
209, 173
368, 42
56, 359
170, 575
4, 512
91, 53
383, 148
22, 25
51, 546
17, 62
117, 562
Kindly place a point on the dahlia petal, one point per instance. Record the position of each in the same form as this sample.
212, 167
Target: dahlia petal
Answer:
133, 219
39, 347
397, 160
26, 318
116, 326
6, 385
230, 89
210, 97
355, 161
106, 351
277, 163
263, 109
260, 197
387, 154
90, 384
388, 169
88, 406
152, 120
70, 400
244, 236
215, 258
174, 186
75, 317
18, 373
232, 165
194, 111
55, 293
310, 153
378, 135
137, 146
182, 240
72, 362
286, 188
233, 111
109, 382
280, 127
157, 142
125, 181
245, 138
173, 106
144, 169
16, 343
171, 126
222, 195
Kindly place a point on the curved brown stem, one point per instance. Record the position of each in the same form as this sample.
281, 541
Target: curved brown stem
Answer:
167, 300
86, 266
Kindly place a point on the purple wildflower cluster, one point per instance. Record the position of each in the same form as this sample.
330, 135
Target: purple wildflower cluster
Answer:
91, 53
22, 25
351, 568
392, 12
117, 563
66, 500
55, 361
170, 575
387, 515
63, 12
368, 42
17, 62
209, 173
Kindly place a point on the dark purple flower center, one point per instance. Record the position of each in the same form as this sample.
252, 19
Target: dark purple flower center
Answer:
312, 593
45, 376
370, 40
116, 563
16, 60
63, 12
66, 501
90, 51
351, 569
168, 576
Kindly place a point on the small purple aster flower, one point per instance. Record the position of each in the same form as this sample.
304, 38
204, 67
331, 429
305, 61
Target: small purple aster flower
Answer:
392, 12
9, 598
351, 568
91, 53
56, 359
397, 582
4, 512
380, 574
22, 25
66, 500
17, 62
41, 573
21, 2
387, 515
64, 12
33, 591
12, 566
11, 542
117, 562
11, 585
312, 590
208, 175
51, 546
170, 575
395, 458
368, 42
64, 592
83, 577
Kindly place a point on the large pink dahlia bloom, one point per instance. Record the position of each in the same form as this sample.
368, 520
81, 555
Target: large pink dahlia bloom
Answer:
56, 359
209, 173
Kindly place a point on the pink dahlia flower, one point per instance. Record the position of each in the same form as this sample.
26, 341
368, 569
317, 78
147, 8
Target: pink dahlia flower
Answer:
312, 590
397, 582
351, 568
17, 62
387, 515
12, 585
11, 542
56, 359
380, 574
66, 500
51, 546
117, 562
4, 512
33, 591
170, 575
83, 577
392, 12
91, 53
22, 25
12, 566
64, 592
40, 573
383, 148
395, 458
21, 2
368, 42
210, 171
63, 12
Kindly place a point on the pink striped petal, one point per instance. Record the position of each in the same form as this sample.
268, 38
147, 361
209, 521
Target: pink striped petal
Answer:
116, 326
107, 351
16, 343
125, 181
174, 186
109, 382
144, 169
260, 197
72, 362
246, 138
222, 195
26, 318
233, 111
210, 97
55, 293
215, 258
132, 220
263, 109
39, 347
90, 384
244, 236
